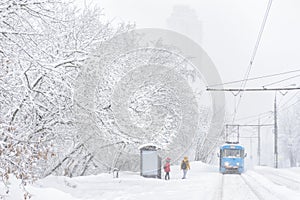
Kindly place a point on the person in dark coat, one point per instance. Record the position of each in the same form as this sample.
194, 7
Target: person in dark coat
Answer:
185, 166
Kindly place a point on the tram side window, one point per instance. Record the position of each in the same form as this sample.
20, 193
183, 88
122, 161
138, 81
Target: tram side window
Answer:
233, 153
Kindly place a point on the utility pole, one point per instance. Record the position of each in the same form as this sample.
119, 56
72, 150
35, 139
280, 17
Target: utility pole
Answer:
275, 134
258, 141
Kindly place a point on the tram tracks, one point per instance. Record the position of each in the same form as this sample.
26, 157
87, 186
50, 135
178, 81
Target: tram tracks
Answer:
259, 190
242, 187
282, 180
219, 193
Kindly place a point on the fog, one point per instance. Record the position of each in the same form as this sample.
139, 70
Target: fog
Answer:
228, 31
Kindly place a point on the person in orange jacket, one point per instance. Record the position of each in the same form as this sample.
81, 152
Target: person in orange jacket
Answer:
185, 166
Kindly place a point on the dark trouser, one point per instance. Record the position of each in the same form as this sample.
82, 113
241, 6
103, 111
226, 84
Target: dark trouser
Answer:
184, 173
167, 176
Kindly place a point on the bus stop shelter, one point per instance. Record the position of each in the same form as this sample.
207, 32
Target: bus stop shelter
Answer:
150, 161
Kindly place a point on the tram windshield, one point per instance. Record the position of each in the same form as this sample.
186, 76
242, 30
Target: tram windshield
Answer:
233, 153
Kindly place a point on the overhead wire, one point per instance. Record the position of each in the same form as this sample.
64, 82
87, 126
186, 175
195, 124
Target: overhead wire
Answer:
255, 78
280, 81
243, 85
283, 107
267, 114
255, 116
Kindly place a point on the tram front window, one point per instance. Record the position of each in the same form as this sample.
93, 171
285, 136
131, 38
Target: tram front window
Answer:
232, 153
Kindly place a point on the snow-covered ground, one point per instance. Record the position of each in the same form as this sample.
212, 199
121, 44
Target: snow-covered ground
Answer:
203, 182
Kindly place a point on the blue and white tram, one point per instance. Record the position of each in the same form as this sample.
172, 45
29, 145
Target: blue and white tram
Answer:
232, 157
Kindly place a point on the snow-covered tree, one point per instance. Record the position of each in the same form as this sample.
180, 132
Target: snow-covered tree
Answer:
60, 77
289, 137
27, 93
43, 44
143, 96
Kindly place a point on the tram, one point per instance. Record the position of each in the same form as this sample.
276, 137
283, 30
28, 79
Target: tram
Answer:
232, 157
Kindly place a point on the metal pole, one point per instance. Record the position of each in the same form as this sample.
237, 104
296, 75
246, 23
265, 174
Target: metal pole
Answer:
226, 133
258, 141
238, 134
251, 154
275, 134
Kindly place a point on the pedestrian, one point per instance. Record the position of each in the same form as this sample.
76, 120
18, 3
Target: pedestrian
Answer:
167, 168
185, 166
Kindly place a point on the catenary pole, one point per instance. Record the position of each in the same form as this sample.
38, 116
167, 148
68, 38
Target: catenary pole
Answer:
275, 134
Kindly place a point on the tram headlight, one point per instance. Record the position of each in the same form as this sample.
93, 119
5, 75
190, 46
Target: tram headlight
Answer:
226, 164
238, 164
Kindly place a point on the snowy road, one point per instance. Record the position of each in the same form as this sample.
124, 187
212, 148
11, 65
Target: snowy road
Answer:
236, 187
203, 182
282, 178
243, 187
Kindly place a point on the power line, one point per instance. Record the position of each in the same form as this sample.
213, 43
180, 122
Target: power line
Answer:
259, 90
284, 108
262, 118
251, 89
295, 95
280, 81
256, 78
243, 85
249, 125
267, 113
